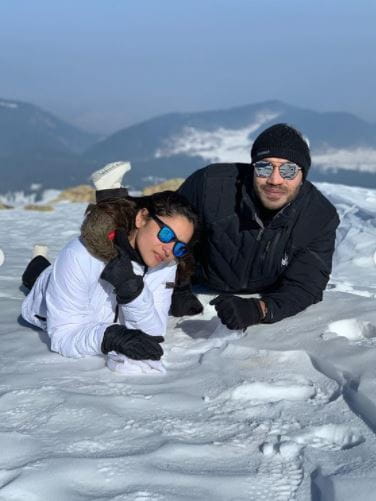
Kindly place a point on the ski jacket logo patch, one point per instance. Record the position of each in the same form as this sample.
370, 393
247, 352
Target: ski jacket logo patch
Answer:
285, 260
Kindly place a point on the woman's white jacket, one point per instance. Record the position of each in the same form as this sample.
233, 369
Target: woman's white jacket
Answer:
79, 306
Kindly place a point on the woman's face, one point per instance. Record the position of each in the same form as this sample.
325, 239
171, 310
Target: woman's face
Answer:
145, 238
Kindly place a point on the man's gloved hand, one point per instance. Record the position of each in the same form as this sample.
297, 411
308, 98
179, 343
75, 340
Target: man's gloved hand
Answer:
133, 343
236, 312
119, 273
184, 302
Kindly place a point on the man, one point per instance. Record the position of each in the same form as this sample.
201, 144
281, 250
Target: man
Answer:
265, 229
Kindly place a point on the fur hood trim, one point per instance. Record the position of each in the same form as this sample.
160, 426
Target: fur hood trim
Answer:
94, 234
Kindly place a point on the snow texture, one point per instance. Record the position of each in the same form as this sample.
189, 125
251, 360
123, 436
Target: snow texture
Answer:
279, 412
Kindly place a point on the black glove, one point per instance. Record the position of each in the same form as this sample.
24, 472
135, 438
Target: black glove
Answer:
133, 343
184, 302
236, 312
119, 272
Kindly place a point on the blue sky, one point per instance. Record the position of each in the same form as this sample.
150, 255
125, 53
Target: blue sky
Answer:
104, 64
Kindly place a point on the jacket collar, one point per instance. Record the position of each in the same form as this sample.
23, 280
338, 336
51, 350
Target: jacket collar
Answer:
122, 241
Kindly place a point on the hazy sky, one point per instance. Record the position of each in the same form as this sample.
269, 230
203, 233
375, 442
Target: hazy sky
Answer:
105, 64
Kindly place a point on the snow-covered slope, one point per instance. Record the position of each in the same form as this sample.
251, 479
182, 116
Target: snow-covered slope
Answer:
281, 412
219, 145
225, 145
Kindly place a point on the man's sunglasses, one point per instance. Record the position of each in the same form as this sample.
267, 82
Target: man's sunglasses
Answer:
167, 235
288, 171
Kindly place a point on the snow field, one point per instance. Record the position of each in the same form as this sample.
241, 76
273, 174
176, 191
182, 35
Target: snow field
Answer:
280, 412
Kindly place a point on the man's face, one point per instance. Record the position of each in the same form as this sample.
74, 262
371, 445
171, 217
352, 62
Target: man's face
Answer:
275, 192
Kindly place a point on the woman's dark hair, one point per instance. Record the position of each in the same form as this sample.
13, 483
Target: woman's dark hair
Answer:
167, 203
120, 213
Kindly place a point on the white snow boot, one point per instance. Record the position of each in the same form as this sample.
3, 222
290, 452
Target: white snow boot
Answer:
40, 250
110, 176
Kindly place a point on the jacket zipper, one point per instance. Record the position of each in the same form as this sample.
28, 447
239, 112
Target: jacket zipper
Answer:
270, 252
264, 255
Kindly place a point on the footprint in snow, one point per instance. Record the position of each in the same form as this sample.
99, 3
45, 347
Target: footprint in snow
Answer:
280, 474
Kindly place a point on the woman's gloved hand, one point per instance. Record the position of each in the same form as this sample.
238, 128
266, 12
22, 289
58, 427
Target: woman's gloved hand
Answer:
133, 343
119, 272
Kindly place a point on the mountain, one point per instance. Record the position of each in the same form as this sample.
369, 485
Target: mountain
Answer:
46, 168
343, 146
25, 127
38, 148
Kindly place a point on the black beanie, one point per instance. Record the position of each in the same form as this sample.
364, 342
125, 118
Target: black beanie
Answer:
282, 141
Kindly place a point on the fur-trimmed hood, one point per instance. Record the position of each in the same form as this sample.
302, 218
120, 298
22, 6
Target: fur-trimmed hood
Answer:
94, 233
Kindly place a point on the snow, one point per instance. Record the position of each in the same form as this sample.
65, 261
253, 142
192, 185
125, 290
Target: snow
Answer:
359, 159
220, 145
279, 412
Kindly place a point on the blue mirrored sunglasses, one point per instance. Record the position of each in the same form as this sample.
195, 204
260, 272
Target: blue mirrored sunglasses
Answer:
288, 171
167, 235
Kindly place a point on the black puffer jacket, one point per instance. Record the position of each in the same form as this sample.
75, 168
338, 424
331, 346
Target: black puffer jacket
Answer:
288, 261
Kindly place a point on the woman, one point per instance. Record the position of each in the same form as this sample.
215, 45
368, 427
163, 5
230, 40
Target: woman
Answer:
110, 290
